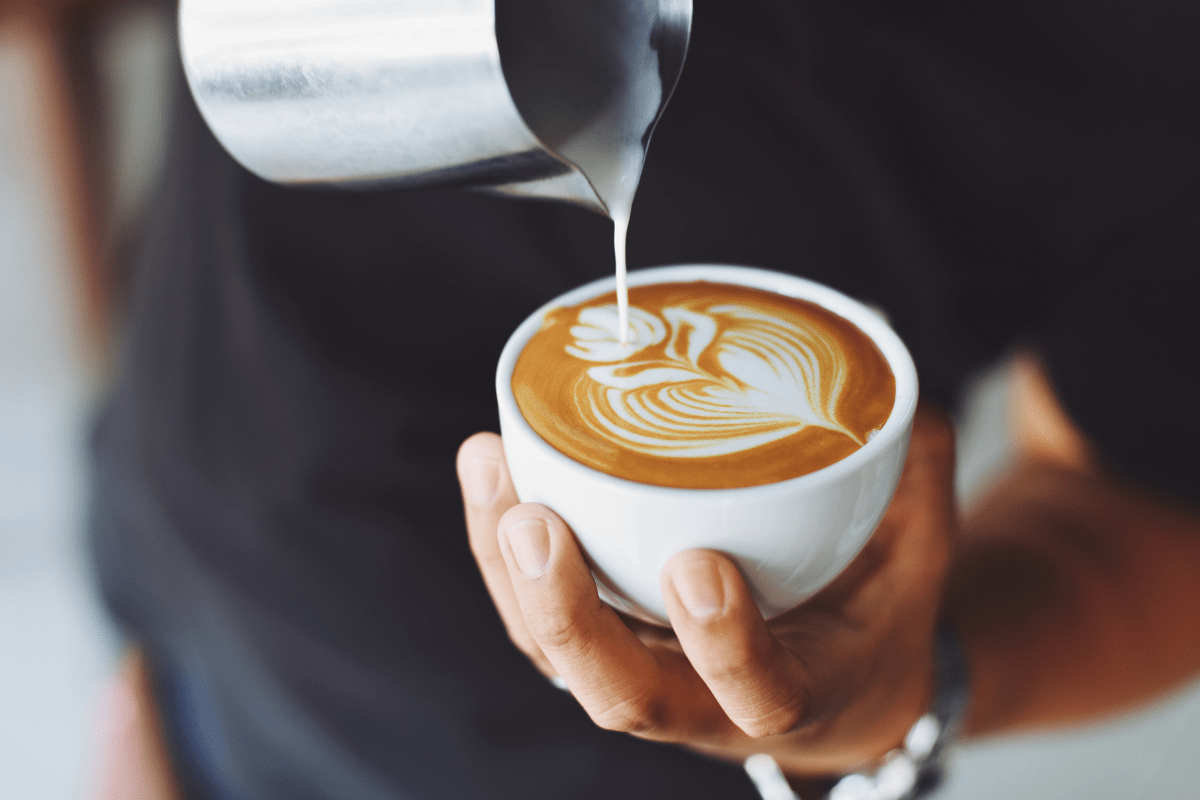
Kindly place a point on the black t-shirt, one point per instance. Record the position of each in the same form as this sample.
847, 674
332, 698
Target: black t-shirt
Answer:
277, 512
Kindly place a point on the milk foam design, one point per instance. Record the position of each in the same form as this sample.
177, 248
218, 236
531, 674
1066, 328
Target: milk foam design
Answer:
729, 378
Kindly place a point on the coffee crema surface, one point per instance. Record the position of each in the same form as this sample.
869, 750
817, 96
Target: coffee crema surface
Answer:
719, 386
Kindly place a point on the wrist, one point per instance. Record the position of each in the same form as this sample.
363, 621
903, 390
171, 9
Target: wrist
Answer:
917, 767
913, 768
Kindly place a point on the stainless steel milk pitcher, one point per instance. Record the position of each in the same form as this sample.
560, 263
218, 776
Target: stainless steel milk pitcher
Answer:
516, 95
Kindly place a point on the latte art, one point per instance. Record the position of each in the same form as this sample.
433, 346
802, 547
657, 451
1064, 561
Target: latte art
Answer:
729, 379
712, 380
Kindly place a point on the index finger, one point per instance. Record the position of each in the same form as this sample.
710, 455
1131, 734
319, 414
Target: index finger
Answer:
487, 493
621, 683
762, 687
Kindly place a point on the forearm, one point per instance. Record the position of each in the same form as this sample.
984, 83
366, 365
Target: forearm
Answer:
1074, 597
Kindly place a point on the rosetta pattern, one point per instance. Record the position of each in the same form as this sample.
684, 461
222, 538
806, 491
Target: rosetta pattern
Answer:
697, 381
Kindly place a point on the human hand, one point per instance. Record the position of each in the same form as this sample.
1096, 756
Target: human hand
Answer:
827, 687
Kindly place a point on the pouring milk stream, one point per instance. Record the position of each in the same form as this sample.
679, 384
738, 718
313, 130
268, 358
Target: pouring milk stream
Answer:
628, 81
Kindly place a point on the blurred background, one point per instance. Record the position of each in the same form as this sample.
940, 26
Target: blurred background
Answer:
83, 107
82, 99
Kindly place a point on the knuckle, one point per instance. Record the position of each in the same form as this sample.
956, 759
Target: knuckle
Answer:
775, 720
640, 715
744, 662
553, 629
762, 697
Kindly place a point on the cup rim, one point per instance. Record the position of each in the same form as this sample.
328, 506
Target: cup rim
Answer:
868, 320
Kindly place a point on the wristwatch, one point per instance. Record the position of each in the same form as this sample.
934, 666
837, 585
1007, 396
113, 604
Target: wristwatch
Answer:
909, 772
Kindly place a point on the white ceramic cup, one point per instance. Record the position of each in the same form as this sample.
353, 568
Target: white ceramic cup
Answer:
788, 538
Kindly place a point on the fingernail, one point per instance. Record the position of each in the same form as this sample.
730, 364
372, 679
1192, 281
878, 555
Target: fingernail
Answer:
699, 587
530, 545
482, 479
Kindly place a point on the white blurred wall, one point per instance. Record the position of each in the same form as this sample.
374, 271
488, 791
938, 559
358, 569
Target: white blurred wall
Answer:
1153, 753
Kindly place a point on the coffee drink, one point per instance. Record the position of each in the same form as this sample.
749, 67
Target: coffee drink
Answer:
716, 386
698, 431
